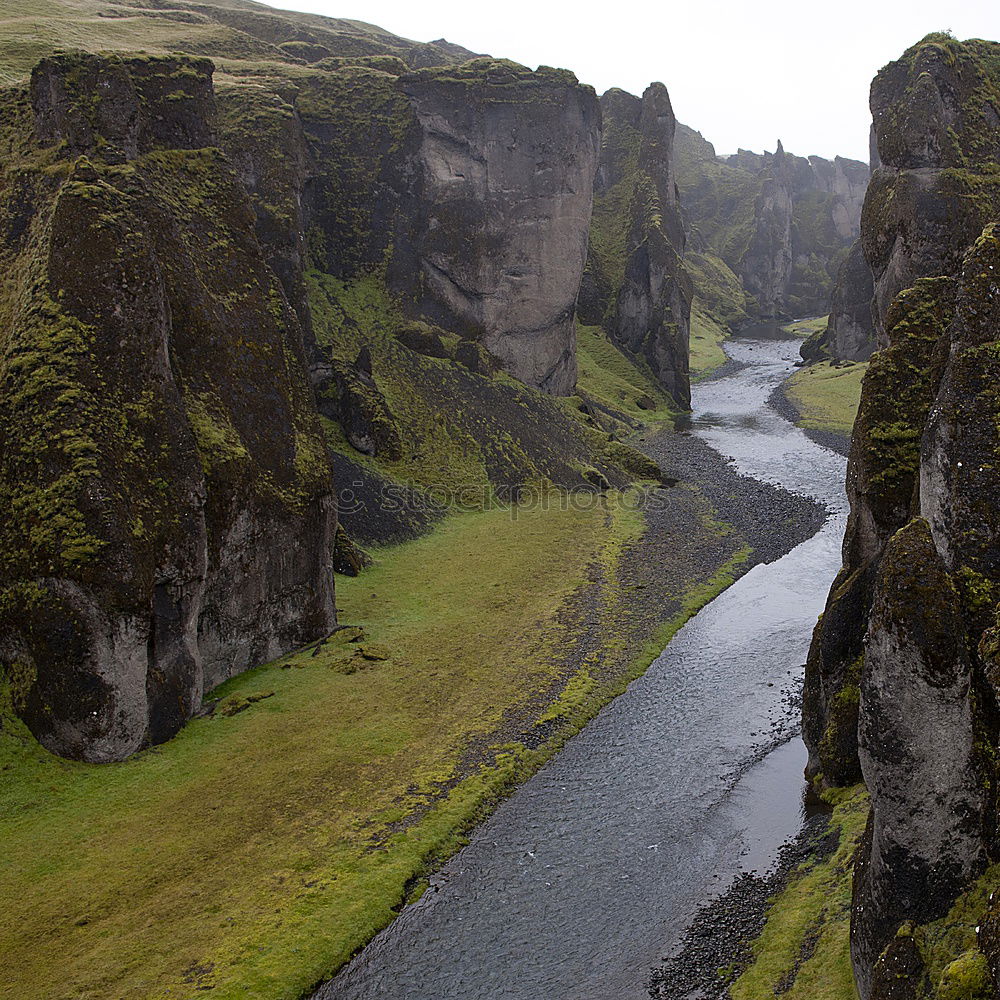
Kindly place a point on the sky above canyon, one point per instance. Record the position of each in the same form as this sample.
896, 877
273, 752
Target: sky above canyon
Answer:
744, 74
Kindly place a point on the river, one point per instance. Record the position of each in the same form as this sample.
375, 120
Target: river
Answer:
585, 879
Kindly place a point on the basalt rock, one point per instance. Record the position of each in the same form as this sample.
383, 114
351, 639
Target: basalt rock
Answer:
937, 131
916, 737
351, 396
165, 489
495, 241
635, 284
915, 607
781, 224
850, 332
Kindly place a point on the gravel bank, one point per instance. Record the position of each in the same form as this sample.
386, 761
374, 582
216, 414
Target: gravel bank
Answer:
717, 946
771, 520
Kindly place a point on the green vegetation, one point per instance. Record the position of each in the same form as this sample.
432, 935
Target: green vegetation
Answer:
707, 337
806, 327
827, 395
804, 952
245, 39
327, 783
949, 948
609, 377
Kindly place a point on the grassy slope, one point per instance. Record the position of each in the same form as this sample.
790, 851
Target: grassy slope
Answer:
806, 327
608, 377
827, 397
707, 336
243, 35
254, 853
804, 952
246, 844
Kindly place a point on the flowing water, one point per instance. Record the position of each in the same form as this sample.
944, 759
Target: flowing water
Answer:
587, 876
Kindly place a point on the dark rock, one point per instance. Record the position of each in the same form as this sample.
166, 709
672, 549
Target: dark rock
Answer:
348, 558
916, 740
496, 240
850, 332
920, 589
165, 487
476, 358
422, 339
350, 395
646, 308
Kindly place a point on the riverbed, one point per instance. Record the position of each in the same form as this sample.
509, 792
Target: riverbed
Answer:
585, 879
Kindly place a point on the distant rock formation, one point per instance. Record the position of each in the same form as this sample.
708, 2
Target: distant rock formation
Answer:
782, 224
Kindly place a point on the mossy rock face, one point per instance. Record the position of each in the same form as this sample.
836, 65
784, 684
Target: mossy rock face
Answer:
967, 978
936, 127
781, 224
635, 284
116, 107
917, 741
850, 332
352, 397
899, 972
149, 486
348, 558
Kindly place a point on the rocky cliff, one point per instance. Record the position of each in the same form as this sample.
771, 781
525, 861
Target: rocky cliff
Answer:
901, 682
850, 331
224, 298
636, 286
165, 490
782, 224
495, 240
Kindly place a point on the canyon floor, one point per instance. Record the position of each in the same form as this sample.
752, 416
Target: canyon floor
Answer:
274, 836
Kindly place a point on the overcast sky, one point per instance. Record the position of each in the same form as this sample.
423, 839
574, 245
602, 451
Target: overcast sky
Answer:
742, 73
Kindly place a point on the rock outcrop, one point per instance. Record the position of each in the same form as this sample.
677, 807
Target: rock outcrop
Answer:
495, 244
781, 223
901, 679
197, 280
850, 332
165, 490
636, 286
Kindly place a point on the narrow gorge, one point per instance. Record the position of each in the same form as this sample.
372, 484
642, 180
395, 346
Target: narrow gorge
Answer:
420, 480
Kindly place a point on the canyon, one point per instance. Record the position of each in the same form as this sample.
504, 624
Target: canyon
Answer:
354, 455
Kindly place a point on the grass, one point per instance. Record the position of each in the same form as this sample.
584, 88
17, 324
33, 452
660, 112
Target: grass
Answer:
707, 337
606, 375
827, 395
255, 852
804, 952
806, 327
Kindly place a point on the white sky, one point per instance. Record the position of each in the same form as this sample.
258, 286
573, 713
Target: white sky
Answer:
742, 73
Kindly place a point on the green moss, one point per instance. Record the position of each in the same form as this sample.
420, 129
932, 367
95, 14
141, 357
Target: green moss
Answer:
807, 327
619, 382
218, 440
949, 946
804, 951
967, 978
